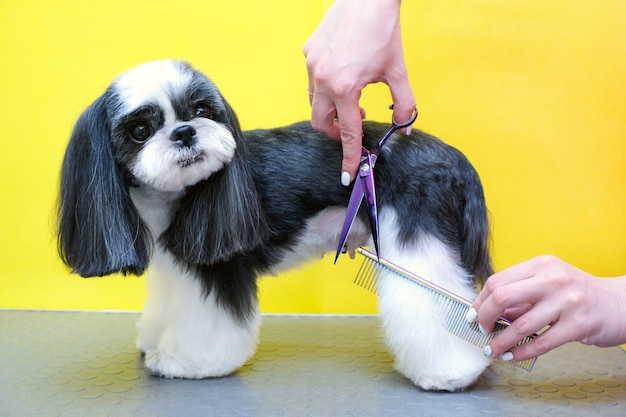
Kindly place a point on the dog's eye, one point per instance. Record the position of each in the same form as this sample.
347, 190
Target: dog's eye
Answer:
140, 132
202, 110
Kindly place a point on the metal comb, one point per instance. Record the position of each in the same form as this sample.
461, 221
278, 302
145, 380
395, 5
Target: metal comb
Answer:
454, 307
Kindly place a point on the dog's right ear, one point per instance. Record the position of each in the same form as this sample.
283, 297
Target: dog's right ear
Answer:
222, 216
99, 229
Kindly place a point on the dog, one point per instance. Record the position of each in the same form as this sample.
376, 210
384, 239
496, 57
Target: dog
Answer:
159, 177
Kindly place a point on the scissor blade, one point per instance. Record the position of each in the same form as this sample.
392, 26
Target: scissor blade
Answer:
372, 209
353, 207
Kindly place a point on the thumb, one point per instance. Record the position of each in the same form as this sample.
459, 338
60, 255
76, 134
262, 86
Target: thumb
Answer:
403, 101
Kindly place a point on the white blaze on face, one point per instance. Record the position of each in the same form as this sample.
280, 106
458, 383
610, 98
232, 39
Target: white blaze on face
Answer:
150, 83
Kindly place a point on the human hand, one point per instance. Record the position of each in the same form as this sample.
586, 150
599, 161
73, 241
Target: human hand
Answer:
545, 291
357, 43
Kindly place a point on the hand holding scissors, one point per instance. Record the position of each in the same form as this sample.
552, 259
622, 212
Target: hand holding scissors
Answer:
365, 189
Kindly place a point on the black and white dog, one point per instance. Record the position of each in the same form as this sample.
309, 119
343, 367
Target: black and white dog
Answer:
158, 176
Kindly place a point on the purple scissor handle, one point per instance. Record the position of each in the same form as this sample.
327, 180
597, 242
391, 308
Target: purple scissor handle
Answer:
365, 189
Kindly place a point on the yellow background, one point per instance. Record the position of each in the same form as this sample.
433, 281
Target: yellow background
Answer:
532, 91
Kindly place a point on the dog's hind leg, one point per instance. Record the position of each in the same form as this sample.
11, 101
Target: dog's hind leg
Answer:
186, 333
424, 351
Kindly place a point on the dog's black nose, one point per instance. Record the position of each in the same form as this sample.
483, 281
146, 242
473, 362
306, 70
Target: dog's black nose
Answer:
185, 135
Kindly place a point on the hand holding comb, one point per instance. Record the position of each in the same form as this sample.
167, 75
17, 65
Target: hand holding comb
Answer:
454, 307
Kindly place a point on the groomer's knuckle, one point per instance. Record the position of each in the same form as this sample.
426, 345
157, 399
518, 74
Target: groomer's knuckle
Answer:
560, 275
576, 298
547, 261
317, 124
500, 297
522, 326
554, 269
349, 136
406, 102
492, 284
542, 344
320, 126
322, 76
340, 87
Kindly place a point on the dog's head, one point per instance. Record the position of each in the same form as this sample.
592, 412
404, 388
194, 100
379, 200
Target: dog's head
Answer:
161, 126
169, 125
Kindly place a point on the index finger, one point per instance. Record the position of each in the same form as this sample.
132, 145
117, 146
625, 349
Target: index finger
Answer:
523, 294
518, 272
506, 291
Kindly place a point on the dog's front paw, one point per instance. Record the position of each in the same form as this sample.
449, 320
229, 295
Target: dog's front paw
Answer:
177, 357
207, 349
167, 365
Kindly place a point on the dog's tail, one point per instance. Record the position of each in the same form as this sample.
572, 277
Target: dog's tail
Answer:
475, 230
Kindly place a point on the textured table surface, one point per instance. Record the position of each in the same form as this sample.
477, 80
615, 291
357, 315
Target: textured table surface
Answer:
65, 364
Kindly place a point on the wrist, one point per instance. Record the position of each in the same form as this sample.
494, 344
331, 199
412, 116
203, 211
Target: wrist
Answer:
614, 329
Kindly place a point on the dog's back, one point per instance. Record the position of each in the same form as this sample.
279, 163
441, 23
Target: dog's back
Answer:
431, 186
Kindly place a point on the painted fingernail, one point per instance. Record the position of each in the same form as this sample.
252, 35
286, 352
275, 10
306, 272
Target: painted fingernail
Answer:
482, 330
471, 315
345, 179
507, 356
487, 351
409, 130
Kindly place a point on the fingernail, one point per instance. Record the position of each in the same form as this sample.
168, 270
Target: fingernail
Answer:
487, 351
471, 315
482, 330
345, 179
507, 356
409, 130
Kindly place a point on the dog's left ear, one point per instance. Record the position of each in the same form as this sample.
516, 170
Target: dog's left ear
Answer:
221, 216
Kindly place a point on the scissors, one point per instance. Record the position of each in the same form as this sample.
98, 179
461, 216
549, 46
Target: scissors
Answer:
365, 189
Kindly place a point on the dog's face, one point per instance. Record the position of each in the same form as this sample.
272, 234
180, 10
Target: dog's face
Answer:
160, 126
169, 125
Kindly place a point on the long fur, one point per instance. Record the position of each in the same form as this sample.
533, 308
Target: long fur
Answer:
237, 205
100, 231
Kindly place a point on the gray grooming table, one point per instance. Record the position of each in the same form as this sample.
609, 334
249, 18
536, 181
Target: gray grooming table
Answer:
85, 364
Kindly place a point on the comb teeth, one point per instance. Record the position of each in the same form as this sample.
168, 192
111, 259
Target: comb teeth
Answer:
452, 307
